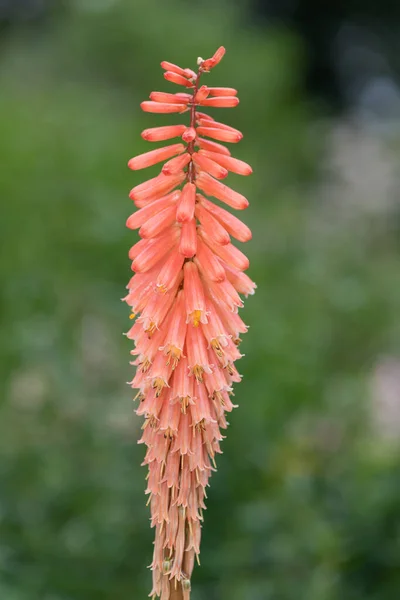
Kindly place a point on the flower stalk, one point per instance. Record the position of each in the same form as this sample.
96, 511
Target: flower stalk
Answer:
185, 294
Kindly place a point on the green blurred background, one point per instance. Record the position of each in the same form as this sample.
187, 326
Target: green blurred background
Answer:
306, 501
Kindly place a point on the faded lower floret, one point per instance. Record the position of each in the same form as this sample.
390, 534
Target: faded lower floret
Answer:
185, 293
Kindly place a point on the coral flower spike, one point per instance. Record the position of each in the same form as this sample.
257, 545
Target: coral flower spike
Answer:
185, 294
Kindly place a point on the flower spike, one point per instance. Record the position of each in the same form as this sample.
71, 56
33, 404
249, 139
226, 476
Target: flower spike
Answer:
185, 292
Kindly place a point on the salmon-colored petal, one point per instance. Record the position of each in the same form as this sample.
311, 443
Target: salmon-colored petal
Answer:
176, 164
170, 98
188, 241
228, 162
201, 94
153, 157
141, 216
212, 146
158, 134
208, 263
206, 164
194, 295
222, 135
211, 225
162, 107
189, 134
232, 224
229, 253
240, 281
167, 66
217, 125
186, 204
153, 253
158, 222
156, 187
214, 60
212, 187
176, 78
170, 271
221, 101
222, 91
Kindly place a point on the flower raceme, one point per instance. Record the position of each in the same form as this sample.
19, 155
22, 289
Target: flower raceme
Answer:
186, 291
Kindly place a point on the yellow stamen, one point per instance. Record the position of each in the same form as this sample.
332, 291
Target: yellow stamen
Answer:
174, 355
151, 328
198, 373
138, 395
216, 346
158, 385
169, 433
145, 365
132, 315
200, 426
196, 317
161, 289
230, 368
184, 404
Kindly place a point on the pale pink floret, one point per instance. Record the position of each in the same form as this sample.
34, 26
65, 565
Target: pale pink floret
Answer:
212, 187
167, 132
166, 97
155, 156
210, 166
182, 390
174, 340
208, 264
176, 164
194, 295
222, 135
240, 281
186, 204
188, 241
211, 225
152, 253
212, 146
232, 164
170, 271
197, 353
222, 91
158, 223
162, 107
140, 217
229, 253
232, 224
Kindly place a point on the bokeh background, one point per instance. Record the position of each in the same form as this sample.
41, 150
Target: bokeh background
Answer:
306, 502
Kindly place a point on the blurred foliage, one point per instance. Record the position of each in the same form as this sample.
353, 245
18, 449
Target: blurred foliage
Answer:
306, 500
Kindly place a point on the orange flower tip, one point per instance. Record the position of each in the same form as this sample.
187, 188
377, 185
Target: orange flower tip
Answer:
189, 135
158, 134
162, 107
223, 135
201, 94
212, 62
167, 66
151, 158
220, 101
222, 91
178, 79
170, 98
